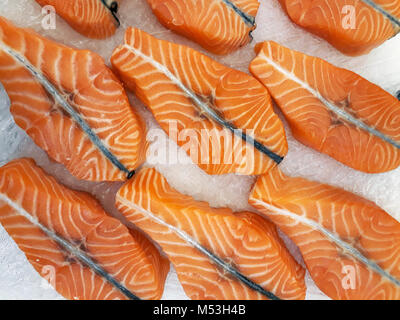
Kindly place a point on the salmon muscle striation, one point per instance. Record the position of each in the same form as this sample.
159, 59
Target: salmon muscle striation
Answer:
351, 247
354, 27
217, 254
220, 26
221, 117
332, 110
73, 243
71, 104
95, 19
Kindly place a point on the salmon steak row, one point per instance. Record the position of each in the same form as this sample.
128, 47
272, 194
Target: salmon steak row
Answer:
223, 118
217, 254
354, 27
350, 246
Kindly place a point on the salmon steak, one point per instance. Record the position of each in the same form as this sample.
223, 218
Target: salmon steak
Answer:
71, 104
69, 239
220, 26
350, 246
96, 19
221, 117
332, 110
354, 27
217, 254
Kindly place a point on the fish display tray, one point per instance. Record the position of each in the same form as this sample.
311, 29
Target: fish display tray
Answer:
18, 280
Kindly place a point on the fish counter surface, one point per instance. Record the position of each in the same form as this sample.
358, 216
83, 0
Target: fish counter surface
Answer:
18, 280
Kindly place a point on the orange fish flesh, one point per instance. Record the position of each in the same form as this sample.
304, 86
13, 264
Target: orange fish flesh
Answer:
95, 19
73, 243
224, 115
354, 27
332, 110
71, 104
217, 254
351, 247
220, 26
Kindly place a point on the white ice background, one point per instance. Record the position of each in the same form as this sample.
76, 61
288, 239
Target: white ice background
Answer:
18, 280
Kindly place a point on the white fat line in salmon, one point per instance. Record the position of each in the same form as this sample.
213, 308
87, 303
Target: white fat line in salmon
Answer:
112, 6
347, 248
58, 97
73, 250
395, 21
248, 19
214, 258
204, 107
338, 111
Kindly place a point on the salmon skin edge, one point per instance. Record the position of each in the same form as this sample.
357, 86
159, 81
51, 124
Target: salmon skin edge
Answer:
248, 19
113, 8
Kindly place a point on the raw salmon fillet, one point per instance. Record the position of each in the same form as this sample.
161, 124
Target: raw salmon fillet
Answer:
70, 240
221, 117
351, 247
354, 27
217, 254
332, 110
220, 26
71, 104
95, 19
